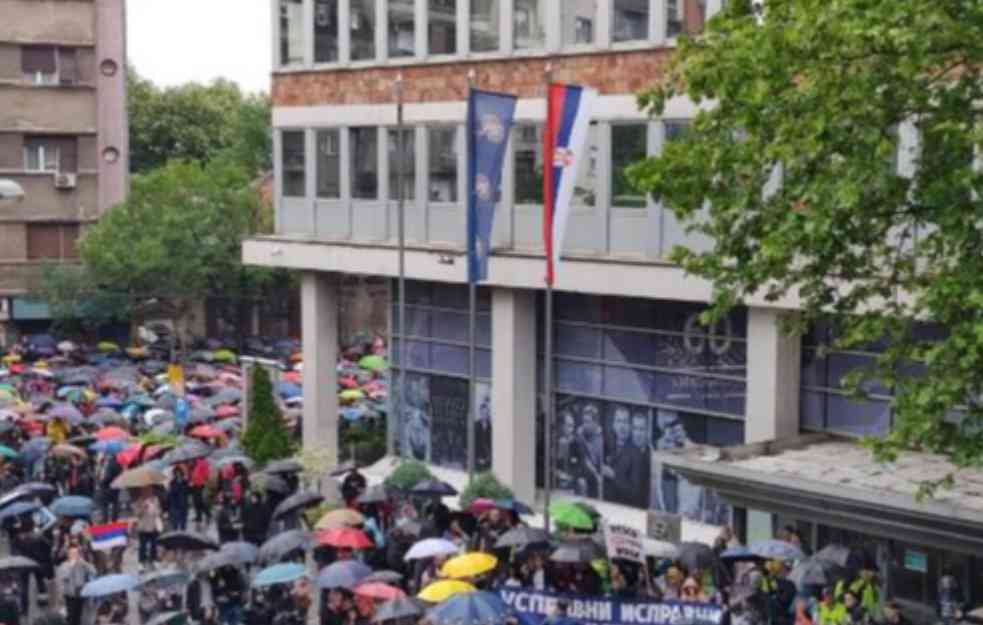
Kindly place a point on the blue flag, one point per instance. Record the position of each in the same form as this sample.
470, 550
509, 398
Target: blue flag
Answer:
490, 117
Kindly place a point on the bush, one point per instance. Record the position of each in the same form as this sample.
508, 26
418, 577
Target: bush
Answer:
408, 474
266, 436
484, 485
366, 439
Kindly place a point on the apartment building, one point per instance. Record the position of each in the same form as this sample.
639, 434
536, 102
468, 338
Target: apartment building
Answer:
63, 135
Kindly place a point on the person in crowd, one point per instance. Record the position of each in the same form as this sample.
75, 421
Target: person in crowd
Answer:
892, 614
200, 473
352, 486
109, 471
950, 606
149, 524
225, 520
255, 519
177, 500
672, 584
831, 611
72, 575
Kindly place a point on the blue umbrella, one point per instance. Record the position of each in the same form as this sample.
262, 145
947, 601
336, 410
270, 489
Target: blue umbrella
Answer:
108, 402
343, 574
72, 506
353, 413
33, 449
471, 608
279, 574
776, 550
109, 585
515, 506
108, 447
288, 390
18, 508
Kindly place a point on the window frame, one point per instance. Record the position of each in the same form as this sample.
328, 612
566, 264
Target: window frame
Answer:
41, 147
457, 132
283, 162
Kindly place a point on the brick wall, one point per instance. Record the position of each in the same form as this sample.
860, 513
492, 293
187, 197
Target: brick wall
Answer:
609, 72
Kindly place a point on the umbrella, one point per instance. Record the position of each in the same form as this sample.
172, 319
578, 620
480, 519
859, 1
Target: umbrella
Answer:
16, 563
816, 571
397, 609
231, 554
522, 536
283, 543
374, 494
514, 505
283, 573
431, 548
468, 565
7, 452
373, 362
66, 411
283, 466
351, 394
165, 578
570, 514
696, 556
245, 461
776, 550
18, 508
296, 502
288, 390
576, 552
385, 577
224, 355
72, 506
345, 467
378, 590
444, 589
186, 541
109, 585
65, 450
187, 452
837, 554
175, 617
112, 432
345, 538
473, 608
269, 483
481, 505
739, 554
207, 431
46, 492
139, 477
226, 411
108, 447
433, 487
343, 574
342, 517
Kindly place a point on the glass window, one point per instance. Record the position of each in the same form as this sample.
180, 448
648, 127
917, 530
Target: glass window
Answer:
630, 20
402, 28
40, 155
402, 164
325, 31
685, 17
364, 144
528, 164
293, 163
328, 164
291, 32
585, 189
38, 65
529, 24
577, 19
442, 164
484, 25
857, 416
442, 26
363, 30
629, 145
676, 129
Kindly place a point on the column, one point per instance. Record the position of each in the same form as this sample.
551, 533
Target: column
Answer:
514, 390
319, 323
773, 367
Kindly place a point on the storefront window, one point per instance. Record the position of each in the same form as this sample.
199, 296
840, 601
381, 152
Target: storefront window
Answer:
577, 20
484, 25
402, 28
325, 31
630, 20
629, 145
442, 26
363, 30
529, 24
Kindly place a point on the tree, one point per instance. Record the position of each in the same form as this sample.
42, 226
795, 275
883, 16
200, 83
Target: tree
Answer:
76, 304
408, 474
483, 485
812, 94
266, 437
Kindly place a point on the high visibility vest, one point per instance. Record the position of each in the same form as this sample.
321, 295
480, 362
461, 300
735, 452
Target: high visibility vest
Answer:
832, 615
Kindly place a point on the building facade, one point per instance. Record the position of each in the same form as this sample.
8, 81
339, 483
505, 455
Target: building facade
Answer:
636, 374
63, 134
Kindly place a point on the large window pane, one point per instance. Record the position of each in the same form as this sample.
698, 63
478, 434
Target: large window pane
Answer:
442, 164
363, 144
857, 416
402, 165
628, 146
585, 189
328, 165
442, 26
484, 25
325, 31
293, 163
363, 29
685, 17
528, 164
401, 28
291, 32
630, 20
577, 22
529, 24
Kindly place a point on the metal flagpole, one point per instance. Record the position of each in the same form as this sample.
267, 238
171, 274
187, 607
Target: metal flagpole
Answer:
401, 213
472, 316
548, 328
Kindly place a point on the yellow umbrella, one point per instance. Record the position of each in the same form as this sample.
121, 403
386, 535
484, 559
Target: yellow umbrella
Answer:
342, 517
11, 358
444, 590
468, 565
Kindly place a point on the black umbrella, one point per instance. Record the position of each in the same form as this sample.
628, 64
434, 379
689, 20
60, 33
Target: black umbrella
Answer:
279, 467
17, 563
165, 578
269, 483
696, 556
274, 549
187, 453
186, 541
374, 494
576, 552
434, 488
522, 536
384, 577
295, 502
398, 609
231, 554
46, 492
816, 571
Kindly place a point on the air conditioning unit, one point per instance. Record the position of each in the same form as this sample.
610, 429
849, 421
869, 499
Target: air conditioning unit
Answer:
65, 181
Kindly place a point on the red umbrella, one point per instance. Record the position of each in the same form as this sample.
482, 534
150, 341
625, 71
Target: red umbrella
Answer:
112, 432
226, 410
481, 505
345, 538
378, 590
207, 431
129, 455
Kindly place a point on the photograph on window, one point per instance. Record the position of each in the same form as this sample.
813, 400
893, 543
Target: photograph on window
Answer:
415, 420
579, 447
448, 421
483, 426
628, 459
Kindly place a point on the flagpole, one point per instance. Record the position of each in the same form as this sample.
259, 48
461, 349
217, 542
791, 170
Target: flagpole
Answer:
472, 318
401, 234
548, 325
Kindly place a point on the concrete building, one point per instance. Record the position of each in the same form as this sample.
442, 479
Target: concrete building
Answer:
63, 134
636, 373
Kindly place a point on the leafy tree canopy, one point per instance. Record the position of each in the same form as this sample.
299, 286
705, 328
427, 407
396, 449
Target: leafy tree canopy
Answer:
814, 95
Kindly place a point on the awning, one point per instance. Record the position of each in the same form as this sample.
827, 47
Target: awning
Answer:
836, 482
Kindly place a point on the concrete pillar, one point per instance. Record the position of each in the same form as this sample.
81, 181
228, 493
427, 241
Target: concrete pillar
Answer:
774, 362
319, 323
514, 390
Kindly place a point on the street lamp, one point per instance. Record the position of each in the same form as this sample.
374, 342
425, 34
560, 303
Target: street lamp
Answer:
10, 190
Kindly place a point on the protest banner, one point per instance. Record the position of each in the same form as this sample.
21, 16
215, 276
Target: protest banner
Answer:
624, 543
536, 607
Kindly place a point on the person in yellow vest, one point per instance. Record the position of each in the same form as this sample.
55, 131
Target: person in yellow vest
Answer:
830, 611
865, 588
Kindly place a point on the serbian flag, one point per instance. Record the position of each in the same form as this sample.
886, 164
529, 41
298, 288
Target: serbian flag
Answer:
568, 113
105, 537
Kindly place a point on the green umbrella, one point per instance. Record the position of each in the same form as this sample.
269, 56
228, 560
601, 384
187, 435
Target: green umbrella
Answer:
224, 355
7, 452
107, 346
351, 394
373, 363
570, 514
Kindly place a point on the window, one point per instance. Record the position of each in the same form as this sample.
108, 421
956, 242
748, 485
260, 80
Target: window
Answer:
628, 146
293, 163
68, 66
442, 164
529, 24
364, 146
402, 164
585, 188
38, 65
363, 30
577, 22
685, 17
328, 165
402, 28
47, 241
442, 26
484, 25
41, 154
528, 164
630, 21
325, 31
675, 130
291, 32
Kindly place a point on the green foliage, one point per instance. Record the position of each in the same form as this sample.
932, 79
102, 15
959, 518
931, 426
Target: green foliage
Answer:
484, 485
367, 439
266, 437
408, 474
76, 304
821, 88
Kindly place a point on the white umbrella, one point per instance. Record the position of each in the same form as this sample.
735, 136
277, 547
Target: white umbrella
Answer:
67, 346
431, 548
